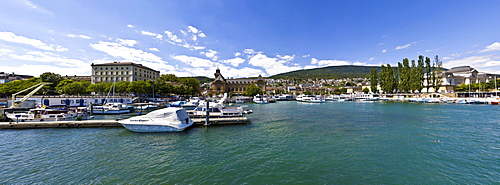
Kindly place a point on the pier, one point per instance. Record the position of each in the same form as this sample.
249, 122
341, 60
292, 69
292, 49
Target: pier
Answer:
107, 123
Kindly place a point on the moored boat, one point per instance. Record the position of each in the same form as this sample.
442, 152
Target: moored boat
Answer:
42, 114
162, 120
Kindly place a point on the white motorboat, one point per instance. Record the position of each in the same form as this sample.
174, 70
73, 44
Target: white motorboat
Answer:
260, 99
192, 103
111, 108
162, 120
313, 99
217, 109
42, 114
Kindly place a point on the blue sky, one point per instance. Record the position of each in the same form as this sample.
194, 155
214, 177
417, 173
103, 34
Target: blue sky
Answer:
244, 38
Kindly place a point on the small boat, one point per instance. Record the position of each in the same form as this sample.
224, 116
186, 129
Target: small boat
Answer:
111, 108
162, 120
191, 104
217, 109
313, 99
260, 99
42, 114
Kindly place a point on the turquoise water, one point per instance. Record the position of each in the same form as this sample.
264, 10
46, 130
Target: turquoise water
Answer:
285, 143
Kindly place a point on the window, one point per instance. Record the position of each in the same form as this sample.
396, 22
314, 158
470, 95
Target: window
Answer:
96, 73
122, 72
106, 73
106, 68
122, 68
127, 68
101, 68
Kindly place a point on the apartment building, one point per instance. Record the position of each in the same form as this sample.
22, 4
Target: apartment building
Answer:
122, 71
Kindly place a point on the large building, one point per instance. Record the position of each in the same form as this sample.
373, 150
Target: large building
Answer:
222, 85
459, 75
122, 71
7, 77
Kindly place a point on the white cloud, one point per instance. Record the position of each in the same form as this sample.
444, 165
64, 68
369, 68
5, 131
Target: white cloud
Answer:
272, 66
234, 61
37, 70
5, 51
130, 26
405, 46
202, 35
474, 61
172, 37
305, 56
156, 35
192, 29
48, 57
371, 59
194, 61
237, 54
127, 42
385, 50
493, 47
210, 54
286, 57
78, 36
323, 63
121, 51
154, 49
12, 37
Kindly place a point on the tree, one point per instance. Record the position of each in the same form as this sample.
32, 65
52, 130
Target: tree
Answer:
76, 88
99, 88
437, 79
121, 86
387, 79
194, 85
366, 90
420, 74
405, 76
138, 87
428, 74
252, 90
373, 80
169, 78
52, 78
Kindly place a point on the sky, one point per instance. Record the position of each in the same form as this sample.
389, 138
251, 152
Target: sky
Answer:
244, 38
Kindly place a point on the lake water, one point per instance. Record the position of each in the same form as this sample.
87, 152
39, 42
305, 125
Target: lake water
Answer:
285, 143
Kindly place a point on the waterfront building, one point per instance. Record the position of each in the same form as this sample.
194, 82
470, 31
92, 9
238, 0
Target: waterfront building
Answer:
7, 77
236, 86
459, 75
122, 71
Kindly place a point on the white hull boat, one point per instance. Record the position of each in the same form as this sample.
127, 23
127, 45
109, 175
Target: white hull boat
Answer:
162, 120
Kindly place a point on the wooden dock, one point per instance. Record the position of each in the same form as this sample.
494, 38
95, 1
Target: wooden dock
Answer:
106, 123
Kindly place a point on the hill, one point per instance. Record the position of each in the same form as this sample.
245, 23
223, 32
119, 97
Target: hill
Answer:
348, 71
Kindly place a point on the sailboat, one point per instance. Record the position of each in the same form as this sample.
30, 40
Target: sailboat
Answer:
112, 107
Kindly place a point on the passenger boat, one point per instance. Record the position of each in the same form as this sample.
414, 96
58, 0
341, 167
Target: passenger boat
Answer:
259, 99
170, 119
42, 114
313, 99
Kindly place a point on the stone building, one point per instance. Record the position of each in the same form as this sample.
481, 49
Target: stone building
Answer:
221, 85
7, 77
126, 71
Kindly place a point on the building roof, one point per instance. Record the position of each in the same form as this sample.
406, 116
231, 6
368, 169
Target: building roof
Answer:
123, 63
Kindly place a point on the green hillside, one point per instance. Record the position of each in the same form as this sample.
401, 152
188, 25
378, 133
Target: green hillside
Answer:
348, 71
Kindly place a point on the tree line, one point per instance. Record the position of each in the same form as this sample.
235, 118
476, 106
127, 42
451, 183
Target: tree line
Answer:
167, 84
408, 78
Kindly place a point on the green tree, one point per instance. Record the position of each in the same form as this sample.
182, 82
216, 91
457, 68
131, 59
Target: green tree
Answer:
387, 79
99, 88
193, 84
138, 87
373, 80
252, 90
76, 88
169, 78
437, 79
121, 87
366, 90
428, 74
405, 76
52, 78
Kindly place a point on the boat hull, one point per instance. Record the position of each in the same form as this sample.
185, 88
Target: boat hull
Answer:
152, 128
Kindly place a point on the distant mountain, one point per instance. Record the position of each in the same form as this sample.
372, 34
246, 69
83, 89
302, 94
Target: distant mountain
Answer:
348, 71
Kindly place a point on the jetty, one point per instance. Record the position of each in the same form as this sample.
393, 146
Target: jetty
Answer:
107, 123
